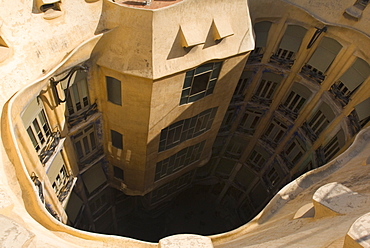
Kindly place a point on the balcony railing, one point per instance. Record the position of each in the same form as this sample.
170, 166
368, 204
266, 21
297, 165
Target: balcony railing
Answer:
78, 118
312, 73
309, 132
287, 112
47, 152
261, 100
284, 62
338, 95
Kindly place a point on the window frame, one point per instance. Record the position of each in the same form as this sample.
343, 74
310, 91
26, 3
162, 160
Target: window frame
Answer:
116, 92
84, 137
190, 80
118, 139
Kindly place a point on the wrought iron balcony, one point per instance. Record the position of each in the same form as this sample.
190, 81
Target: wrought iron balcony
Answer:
338, 95
269, 142
284, 62
49, 149
78, 118
309, 132
287, 112
261, 101
312, 73
66, 189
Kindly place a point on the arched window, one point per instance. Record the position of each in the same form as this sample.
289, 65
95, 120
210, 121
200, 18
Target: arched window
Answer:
360, 116
350, 81
295, 100
267, 88
319, 121
261, 30
289, 45
321, 59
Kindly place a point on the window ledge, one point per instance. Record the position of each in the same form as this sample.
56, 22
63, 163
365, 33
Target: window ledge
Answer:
52, 14
354, 12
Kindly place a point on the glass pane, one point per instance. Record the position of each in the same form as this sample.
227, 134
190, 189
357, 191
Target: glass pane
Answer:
33, 139
86, 145
92, 140
200, 83
187, 82
114, 90
203, 68
79, 151
44, 123
70, 105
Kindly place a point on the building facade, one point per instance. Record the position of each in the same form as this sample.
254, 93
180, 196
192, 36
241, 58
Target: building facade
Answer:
123, 105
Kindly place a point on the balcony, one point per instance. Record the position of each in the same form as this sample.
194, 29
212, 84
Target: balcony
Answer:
312, 73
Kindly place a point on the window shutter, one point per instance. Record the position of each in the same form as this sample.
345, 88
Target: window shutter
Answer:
262, 31
356, 74
325, 54
292, 38
363, 109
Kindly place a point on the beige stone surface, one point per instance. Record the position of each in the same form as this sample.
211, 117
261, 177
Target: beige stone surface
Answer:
37, 46
185, 241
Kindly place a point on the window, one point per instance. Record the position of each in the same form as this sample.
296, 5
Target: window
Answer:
200, 82
321, 59
356, 10
172, 187
275, 132
186, 129
362, 111
99, 202
179, 160
250, 120
57, 174
334, 145
242, 85
261, 30
294, 152
267, 87
295, 101
289, 45
77, 94
50, 8
116, 139
235, 148
258, 158
36, 124
350, 81
114, 90
118, 172
321, 119
272, 177
85, 142
229, 118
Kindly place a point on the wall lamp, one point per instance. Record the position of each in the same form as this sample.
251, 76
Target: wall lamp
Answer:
316, 35
54, 82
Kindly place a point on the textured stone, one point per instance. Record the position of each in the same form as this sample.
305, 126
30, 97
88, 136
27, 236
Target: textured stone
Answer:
360, 231
185, 241
334, 198
12, 234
